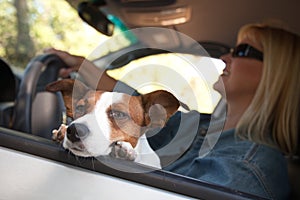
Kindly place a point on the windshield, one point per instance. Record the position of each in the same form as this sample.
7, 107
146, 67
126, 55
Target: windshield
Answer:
193, 84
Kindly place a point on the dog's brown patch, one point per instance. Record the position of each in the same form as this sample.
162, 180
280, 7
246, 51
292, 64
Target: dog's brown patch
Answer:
126, 118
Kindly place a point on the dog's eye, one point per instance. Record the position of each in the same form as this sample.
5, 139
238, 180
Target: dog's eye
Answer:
80, 110
118, 115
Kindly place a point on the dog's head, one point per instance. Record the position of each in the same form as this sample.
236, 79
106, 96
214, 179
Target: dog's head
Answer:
102, 118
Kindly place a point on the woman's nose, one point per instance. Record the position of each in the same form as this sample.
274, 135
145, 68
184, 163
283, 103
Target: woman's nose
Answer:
226, 58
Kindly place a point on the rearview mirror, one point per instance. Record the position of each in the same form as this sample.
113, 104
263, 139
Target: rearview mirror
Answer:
91, 14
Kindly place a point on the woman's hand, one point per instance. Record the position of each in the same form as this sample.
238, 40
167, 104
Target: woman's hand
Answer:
94, 77
74, 62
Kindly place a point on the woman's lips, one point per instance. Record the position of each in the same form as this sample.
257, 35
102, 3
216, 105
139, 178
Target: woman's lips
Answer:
225, 73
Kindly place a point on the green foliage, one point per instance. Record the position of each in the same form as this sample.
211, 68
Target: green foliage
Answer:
52, 24
8, 29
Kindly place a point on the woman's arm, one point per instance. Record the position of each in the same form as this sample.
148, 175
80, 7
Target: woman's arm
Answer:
93, 76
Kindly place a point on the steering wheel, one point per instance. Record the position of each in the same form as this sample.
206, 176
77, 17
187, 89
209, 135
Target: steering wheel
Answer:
37, 111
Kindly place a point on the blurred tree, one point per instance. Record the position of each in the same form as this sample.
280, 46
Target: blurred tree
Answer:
29, 26
24, 46
8, 31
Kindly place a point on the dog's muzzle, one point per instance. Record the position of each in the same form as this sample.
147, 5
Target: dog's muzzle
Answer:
77, 132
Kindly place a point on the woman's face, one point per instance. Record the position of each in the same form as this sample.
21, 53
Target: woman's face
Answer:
241, 75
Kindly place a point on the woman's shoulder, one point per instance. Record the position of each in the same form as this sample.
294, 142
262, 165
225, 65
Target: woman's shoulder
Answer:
269, 166
264, 165
248, 151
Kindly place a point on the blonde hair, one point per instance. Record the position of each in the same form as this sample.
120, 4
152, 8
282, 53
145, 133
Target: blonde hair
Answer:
273, 116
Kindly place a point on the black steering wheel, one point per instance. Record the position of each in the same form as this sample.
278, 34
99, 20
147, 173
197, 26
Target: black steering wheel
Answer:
37, 111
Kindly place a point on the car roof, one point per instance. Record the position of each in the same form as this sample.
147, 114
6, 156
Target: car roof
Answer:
212, 20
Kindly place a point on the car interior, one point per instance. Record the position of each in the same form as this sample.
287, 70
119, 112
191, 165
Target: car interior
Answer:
24, 103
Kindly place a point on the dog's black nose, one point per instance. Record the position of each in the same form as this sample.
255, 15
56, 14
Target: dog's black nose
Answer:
76, 132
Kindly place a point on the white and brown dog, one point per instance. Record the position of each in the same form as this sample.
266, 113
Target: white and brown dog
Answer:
111, 123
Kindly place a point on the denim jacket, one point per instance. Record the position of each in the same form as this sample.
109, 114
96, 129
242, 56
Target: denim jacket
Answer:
234, 163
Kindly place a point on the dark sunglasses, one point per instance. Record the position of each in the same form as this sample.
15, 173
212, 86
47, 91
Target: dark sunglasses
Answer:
247, 51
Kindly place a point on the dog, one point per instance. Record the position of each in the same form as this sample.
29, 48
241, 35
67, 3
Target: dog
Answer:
111, 123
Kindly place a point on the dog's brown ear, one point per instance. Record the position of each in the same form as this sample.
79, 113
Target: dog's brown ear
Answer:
72, 90
159, 107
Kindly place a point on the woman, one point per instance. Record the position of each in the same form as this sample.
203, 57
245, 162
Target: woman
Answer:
262, 92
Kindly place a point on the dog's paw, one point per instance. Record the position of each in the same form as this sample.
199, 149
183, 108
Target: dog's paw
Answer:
123, 150
58, 135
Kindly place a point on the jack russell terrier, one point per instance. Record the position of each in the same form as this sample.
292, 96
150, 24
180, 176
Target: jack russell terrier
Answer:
111, 123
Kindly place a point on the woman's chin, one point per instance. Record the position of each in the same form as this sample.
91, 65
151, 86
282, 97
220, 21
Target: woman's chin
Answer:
219, 86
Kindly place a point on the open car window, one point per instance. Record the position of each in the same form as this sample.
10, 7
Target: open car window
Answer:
46, 166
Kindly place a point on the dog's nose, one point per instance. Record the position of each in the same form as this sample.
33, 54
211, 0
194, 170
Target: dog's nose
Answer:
76, 132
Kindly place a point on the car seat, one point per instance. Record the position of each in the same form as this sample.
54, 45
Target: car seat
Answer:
294, 176
8, 90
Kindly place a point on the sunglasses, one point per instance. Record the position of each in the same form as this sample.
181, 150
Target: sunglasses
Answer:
247, 51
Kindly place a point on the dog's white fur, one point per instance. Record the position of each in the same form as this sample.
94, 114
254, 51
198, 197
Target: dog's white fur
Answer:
98, 142
115, 121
